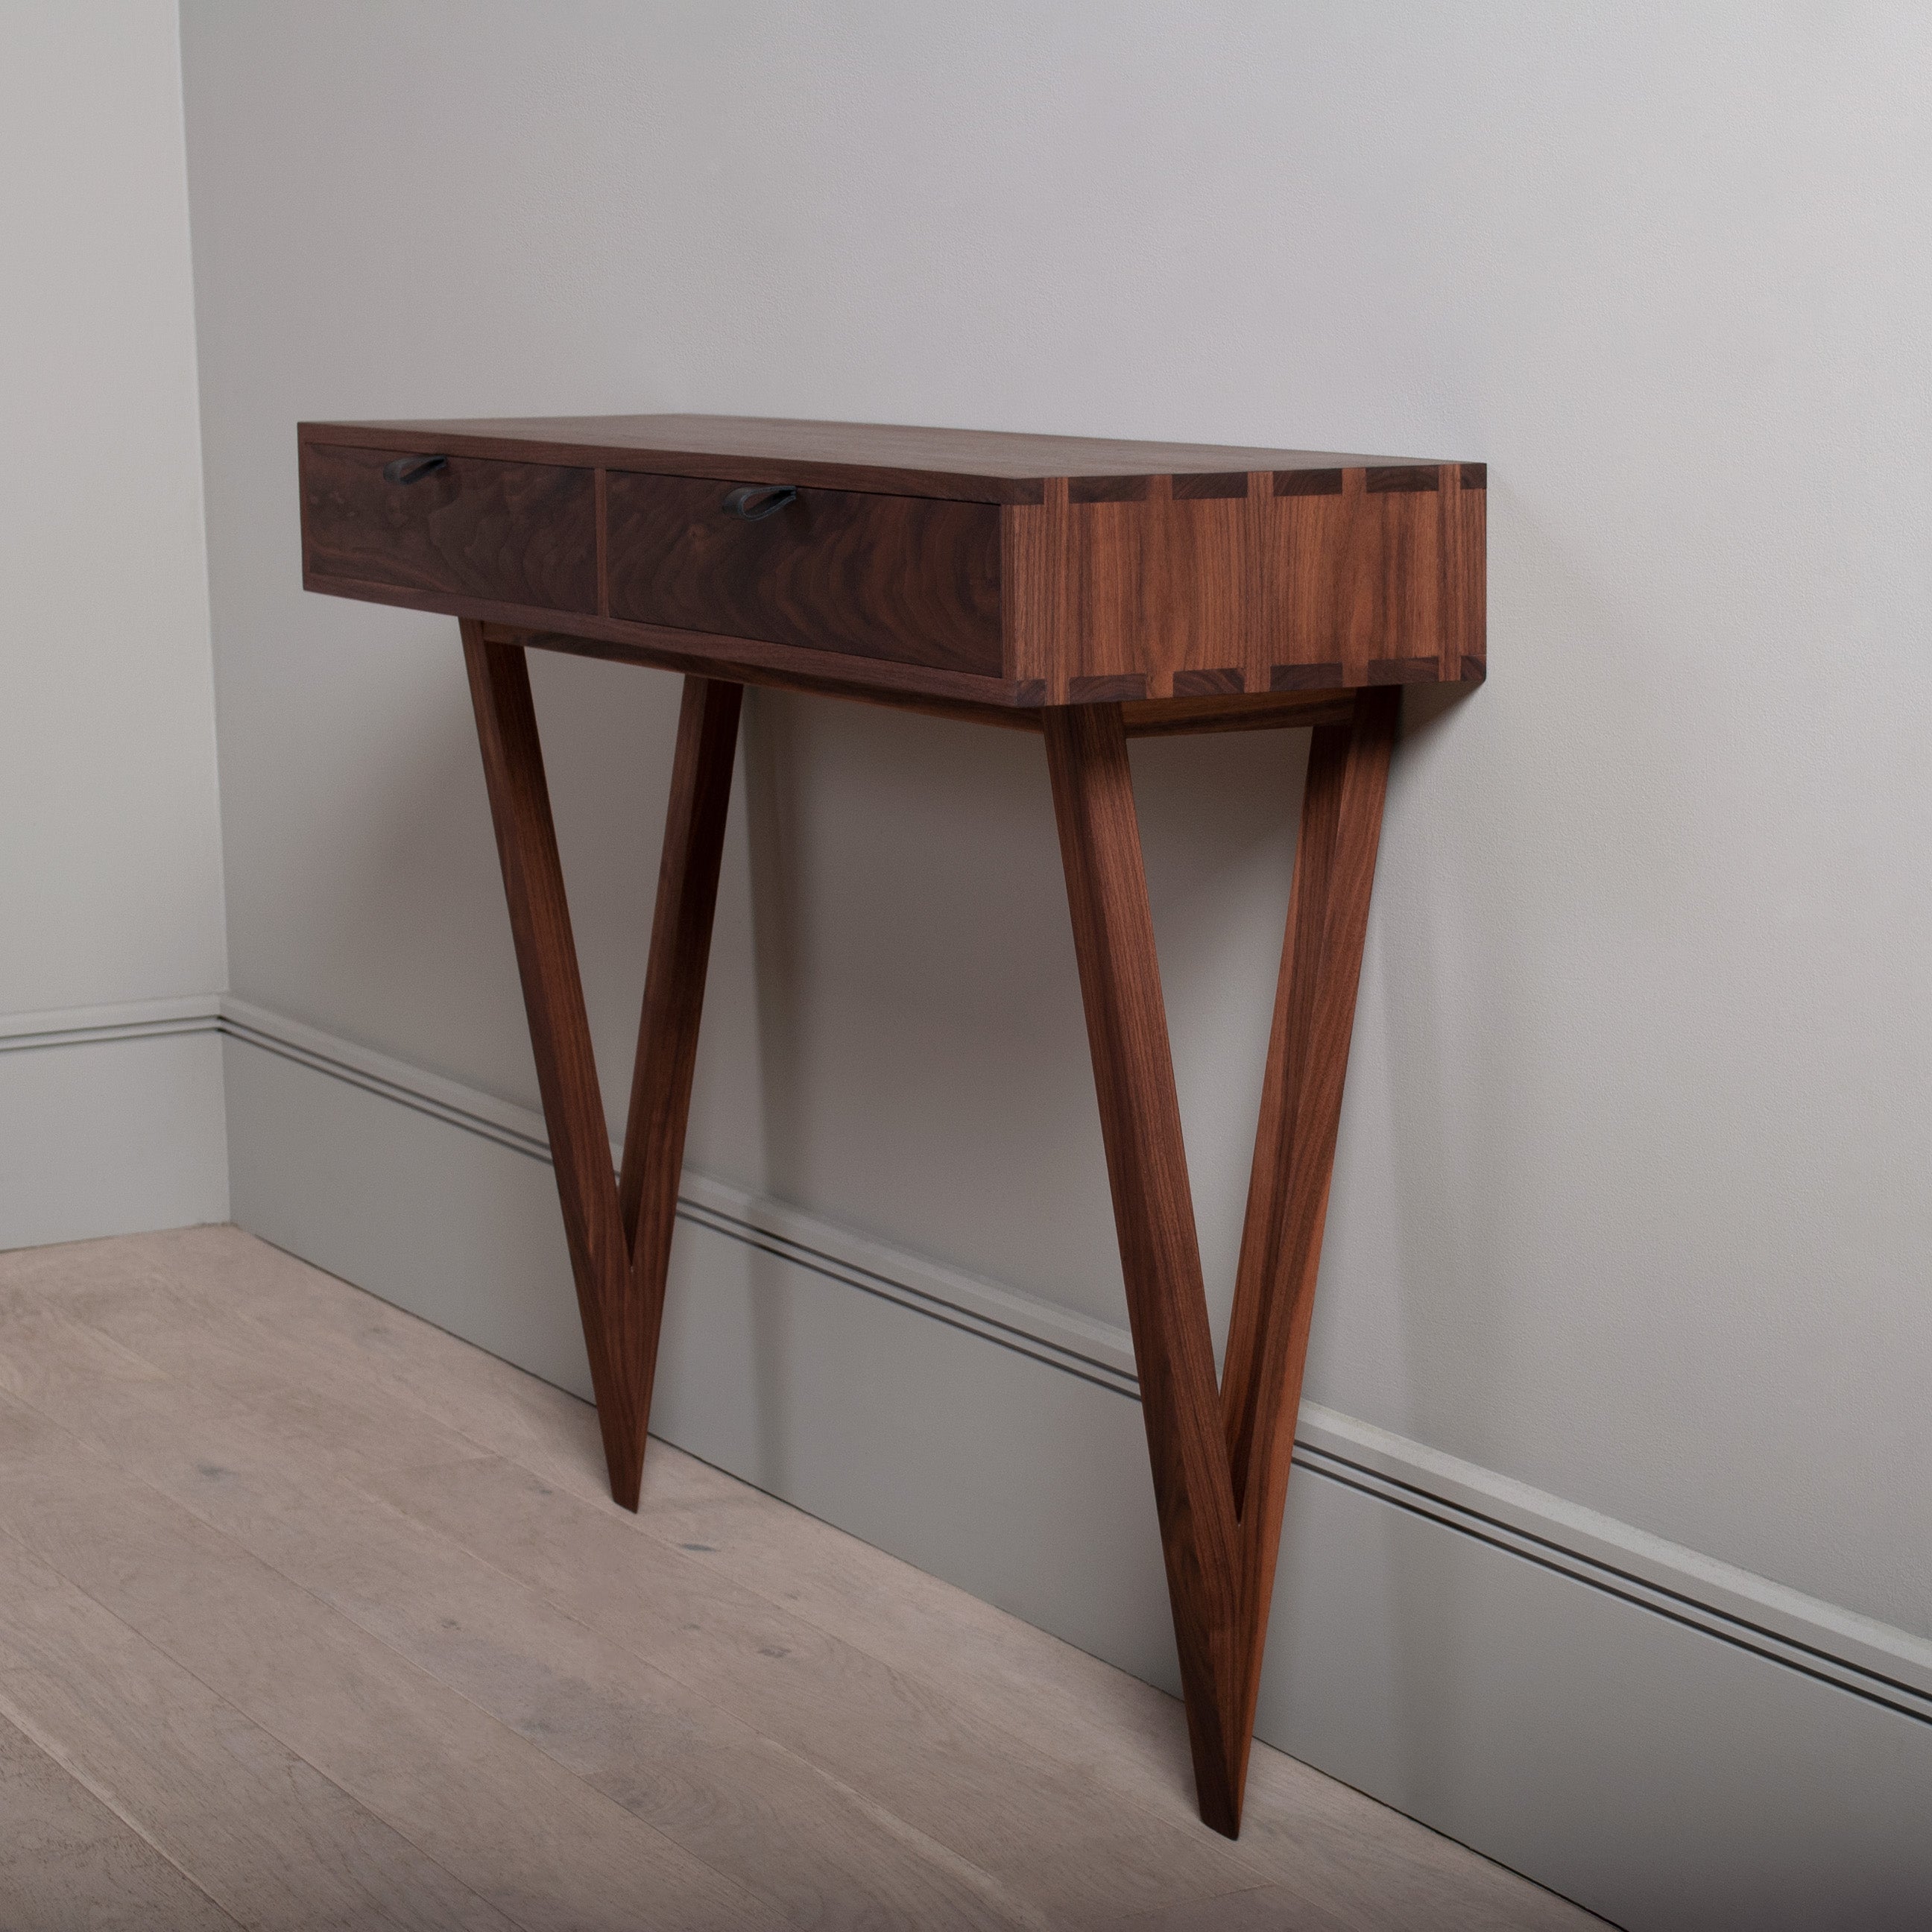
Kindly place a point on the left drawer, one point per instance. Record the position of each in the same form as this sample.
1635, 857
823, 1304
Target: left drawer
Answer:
520, 533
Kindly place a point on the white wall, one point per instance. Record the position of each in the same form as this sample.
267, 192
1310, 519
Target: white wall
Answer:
110, 859
1632, 1203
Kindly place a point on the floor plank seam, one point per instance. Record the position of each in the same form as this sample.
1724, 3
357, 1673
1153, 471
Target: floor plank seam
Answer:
591, 1495
945, 1854
221, 1698
22, 1722
594, 1496
452, 1408
268, 1729
1022, 1751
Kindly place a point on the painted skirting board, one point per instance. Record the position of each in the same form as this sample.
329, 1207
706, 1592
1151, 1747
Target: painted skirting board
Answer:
1670, 1741
111, 1121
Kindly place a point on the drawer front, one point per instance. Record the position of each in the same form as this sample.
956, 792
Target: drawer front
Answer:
505, 532
908, 578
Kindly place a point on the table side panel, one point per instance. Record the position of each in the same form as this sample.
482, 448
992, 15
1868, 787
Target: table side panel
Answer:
1278, 582
1465, 509
1355, 579
519, 533
1156, 589
910, 579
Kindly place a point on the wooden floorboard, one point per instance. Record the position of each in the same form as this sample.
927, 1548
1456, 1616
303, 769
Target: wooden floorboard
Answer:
68, 1859
270, 1838
241, 1500
814, 1850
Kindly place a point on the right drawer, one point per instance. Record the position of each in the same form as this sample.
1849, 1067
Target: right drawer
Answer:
908, 578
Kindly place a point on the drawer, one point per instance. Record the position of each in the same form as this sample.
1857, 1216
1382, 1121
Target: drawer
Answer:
908, 578
523, 533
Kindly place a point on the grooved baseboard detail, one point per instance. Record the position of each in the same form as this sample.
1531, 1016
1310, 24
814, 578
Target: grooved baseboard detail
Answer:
1667, 1740
1858, 1654
111, 1120
92, 1026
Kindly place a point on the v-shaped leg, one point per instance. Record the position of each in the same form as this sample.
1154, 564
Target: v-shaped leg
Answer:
1220, 1454
618, 1232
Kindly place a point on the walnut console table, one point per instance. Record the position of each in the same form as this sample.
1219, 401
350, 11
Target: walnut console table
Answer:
1089, 591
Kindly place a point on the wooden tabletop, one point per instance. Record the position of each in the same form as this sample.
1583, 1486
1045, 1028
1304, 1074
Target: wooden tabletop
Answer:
976, 465
970, 566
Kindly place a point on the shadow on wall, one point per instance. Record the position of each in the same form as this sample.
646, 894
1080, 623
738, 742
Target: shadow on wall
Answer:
1467, 1249
923, 1072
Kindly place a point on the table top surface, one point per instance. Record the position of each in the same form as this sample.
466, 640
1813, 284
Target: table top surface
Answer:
990, 465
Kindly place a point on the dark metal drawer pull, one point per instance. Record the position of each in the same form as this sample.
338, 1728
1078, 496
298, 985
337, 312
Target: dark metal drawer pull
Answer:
754, 501
413, 468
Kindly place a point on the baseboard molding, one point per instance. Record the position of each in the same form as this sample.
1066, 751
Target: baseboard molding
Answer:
111, 1120
1668, 1740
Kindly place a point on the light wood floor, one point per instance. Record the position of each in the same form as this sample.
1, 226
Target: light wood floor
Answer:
311, 1616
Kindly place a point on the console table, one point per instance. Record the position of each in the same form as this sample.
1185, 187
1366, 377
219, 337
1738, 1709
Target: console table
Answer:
1089, 591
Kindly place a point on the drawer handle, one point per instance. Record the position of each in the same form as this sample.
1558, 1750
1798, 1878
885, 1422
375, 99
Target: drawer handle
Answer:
754, 501
413, 468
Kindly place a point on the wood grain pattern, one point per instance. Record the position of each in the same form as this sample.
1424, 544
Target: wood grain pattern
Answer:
602, 485
1314, 1838
1465, 499
1153, 1214
1220, 708
1063, 1846
532, 1610
618, 1231
728, 1722
1108, 687
614, 1319
902, 568
1155, 586
68, 1860
1228, 681
516, 532
984, 466
1218, 1483
670, 1755
935, 704
870, 576
1355, 577
1220, 1457
1305, 676
1182, 716
516, 1837
1032, 584
666, 1052
274, 1841
1294, 1139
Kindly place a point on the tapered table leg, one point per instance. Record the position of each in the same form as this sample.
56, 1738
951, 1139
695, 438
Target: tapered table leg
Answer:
1294, 1141
667, 1057
1220, 1455
620, 1300
1153, 1215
